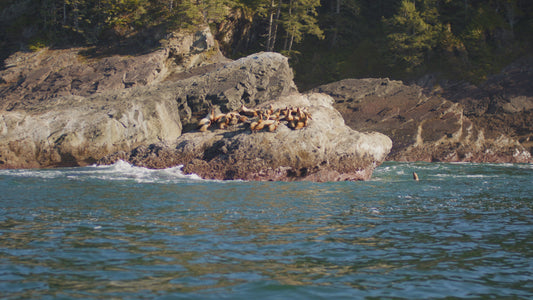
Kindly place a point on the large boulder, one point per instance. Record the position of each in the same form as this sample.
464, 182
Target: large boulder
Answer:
76, 131
325, 150
423, 127
250, 80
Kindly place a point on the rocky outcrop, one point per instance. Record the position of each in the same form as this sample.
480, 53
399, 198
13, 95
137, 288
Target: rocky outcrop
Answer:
501, 104
75, 130
423, 127
47, 75
326, 150
250, 80
61, 108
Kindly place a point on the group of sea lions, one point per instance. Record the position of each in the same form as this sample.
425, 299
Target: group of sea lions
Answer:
258, 119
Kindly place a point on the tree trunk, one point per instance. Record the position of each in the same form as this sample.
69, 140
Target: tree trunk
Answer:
64, 12
276, 22
287, 35
76, 16
466, 12
290, 44
270, 25
337, 23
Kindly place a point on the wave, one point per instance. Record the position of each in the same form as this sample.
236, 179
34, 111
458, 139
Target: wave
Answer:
465, 175
119, 171
402, 171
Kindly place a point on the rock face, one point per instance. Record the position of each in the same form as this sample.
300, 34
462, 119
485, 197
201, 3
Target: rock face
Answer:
60, 108
326, 150
75, 130
250, 80
46, 75
502, 104
422, 127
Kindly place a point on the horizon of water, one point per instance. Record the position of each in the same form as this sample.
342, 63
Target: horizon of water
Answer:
463, 231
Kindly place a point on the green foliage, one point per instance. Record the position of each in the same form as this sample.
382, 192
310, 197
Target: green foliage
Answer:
411, 34
37, 44
325, 39
299, 20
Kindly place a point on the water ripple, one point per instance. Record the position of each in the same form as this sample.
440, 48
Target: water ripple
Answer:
463, 230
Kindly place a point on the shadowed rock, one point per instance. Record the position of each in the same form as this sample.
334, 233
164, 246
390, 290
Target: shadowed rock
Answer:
422, 127
59, 108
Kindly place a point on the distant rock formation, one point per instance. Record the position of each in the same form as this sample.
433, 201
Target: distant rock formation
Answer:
423, 127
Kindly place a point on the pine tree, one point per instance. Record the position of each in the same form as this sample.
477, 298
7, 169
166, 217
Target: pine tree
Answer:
299, 20
411, 35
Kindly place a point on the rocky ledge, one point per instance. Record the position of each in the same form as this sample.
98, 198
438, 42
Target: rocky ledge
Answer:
57, 111
325, 150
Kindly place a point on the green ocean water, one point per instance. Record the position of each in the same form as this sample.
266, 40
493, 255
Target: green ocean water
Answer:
122, 232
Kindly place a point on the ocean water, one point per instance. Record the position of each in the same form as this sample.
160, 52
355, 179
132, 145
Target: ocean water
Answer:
123, 232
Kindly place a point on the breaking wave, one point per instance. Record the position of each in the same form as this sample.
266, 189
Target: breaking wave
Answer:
119, 171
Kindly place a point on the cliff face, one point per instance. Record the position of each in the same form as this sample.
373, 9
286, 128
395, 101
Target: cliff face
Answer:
62, 108
430, 127
71, 108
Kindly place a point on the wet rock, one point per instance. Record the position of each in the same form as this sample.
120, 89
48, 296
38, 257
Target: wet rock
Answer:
77, 131
60, 108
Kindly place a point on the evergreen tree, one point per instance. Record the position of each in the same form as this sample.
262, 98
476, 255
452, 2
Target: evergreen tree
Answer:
411, 34
300, 19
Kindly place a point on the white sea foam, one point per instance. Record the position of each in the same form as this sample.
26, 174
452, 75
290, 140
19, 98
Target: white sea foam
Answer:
119, 171
38, 173
124, 171
464, 175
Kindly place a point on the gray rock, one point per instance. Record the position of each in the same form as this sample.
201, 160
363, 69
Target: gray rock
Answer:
250, 80
32, 78
326, 150
77, 131
59, 110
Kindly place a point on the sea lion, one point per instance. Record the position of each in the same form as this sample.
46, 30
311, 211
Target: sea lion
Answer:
204, 127
415, 176
289, 116
248, 112
203, 122
253, 125
299, 125
218, 117
272, 127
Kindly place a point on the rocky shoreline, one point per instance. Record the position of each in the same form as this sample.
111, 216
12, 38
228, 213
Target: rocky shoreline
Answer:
428, 127
62, 108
